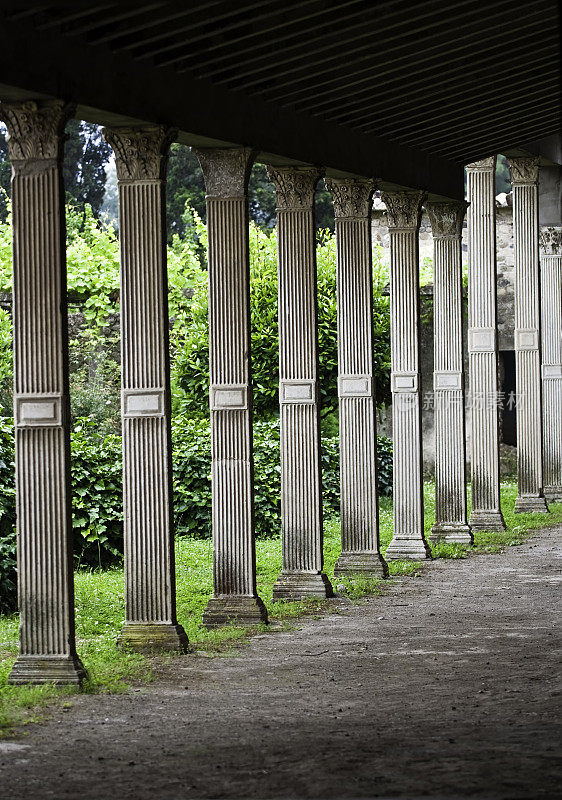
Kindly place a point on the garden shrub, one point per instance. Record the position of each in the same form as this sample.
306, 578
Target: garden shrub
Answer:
8, 600
97, 509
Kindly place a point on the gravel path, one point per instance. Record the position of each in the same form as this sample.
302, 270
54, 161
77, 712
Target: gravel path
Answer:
444, 688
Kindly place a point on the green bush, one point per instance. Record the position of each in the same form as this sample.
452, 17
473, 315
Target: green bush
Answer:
7, 518
97, 507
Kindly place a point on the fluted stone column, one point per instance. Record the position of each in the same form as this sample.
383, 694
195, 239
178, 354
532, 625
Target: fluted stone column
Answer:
150, 602
301, 486
403, 216
356, 384
235, 596
483, 346
551, 308
525, 181
47, 650
448, 377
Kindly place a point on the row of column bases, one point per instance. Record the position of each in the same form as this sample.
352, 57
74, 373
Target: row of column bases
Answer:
41, 396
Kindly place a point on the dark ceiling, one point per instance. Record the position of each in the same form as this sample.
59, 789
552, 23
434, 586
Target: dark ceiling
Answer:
457, 80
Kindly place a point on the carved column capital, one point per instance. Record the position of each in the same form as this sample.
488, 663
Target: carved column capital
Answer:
484, 165
524, 170
226, 171
446, 219
352, 196
294, 186
35, 131
141, 154
550, 240
403, 209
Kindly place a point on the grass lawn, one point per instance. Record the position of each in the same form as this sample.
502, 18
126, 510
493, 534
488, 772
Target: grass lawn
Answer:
100, 603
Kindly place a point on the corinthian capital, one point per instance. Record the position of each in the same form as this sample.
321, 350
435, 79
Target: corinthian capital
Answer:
141, 154
551, 241
484, 165
35, 130
403, 209
446, 219
226, 171
352, 196
294, 186
524, 170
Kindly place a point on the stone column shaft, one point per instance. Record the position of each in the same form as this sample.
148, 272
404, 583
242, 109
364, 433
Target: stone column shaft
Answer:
301, 485
356, 389
551, 308
525, 179
483, 346
150, 603
47, 650
235, 596
403, 214
448, 376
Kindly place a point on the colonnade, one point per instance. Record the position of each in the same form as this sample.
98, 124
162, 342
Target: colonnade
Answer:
41, 398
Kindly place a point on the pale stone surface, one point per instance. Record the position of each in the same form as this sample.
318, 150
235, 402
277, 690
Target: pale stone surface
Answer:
525, 180
450, 471
408, 542
150, 603
482, 347
301, 486
47, 651
551, 309
357, 407
235, 597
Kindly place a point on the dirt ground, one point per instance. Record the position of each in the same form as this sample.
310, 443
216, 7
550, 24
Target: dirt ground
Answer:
444, 688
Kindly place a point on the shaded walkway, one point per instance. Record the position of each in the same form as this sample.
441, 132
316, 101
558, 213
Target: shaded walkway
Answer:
446, 687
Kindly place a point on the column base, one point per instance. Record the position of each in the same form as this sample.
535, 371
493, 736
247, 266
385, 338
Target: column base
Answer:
404, 549
533, 504
451, 532
353, 562
300, 585
487, 521
153, 637
243, 610
60, 670
553, 494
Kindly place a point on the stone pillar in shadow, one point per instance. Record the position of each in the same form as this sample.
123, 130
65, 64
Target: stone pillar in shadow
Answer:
403, 215
150, 603
356, 386
235, 597
525, 183
47, 650
301, 484
448, 377
483, 346
551, 308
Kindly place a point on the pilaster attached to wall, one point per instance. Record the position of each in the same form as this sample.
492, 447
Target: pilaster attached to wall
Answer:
525, 181
403, 213
41, 397
356, 384
301, 485
551, 308
150, 605
448, 376
483, 346
235, 596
